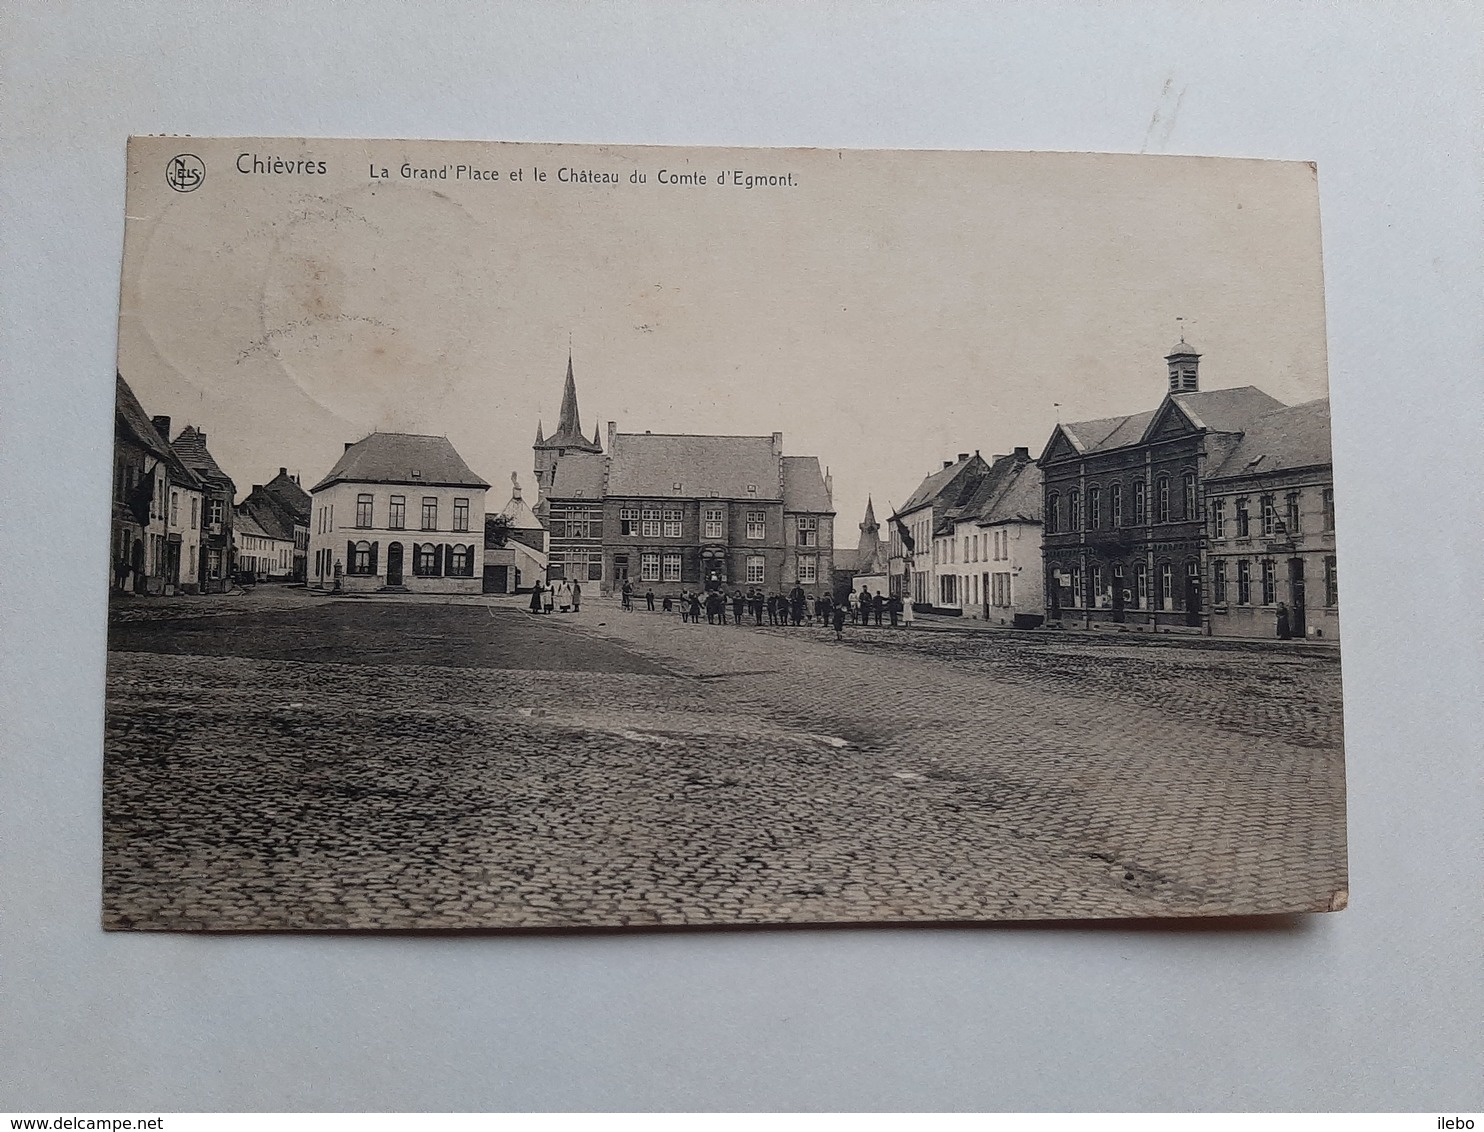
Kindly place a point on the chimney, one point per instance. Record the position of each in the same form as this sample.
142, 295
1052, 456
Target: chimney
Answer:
257, 488
996, 458
162, 426
778, 444
962, 456
1022, 453
612, 432
829, 486
349, 444
947, 464
283, 471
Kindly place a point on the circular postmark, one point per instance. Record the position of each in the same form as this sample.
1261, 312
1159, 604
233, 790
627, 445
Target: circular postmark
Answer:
184, 172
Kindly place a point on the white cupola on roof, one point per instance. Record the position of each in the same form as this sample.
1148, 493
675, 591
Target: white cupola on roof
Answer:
1184, 365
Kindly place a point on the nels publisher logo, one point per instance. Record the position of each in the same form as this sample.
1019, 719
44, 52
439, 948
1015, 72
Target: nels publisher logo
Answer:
184, 172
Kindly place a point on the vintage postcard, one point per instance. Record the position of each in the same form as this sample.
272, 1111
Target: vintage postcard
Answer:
545, 536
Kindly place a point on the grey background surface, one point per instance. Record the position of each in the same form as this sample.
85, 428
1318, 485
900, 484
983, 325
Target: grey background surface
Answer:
1379, 1007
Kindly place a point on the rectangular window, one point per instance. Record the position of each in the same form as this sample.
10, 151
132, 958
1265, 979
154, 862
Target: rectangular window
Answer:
396, 517
649, 567
595, 567
756, 570
649, 527
1162, 500
175, 508
1141, 503
1269, 515
1141, 586
808, 569
1218, 518
628, 521
670, 568
1119, 583
1190, 501
1078, 597
1218, 583
809, 532
1094, 509
1329, 508
1115, 505
1074, 510
214, 512
1269, 582
430, 513
461, 514
757, 524
1166, 587
363, 510
715, 527
1291, 505
672, 520
1097, 587
194, 516
1244, 582
1244, 518
1331, 583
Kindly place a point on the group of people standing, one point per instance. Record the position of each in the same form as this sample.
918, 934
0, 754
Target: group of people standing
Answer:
561, 595
793, 608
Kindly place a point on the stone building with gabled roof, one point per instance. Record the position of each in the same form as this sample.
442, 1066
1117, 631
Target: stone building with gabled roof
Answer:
218, 494
282, 508
988, 555
1125, 540
400, 513
922, 528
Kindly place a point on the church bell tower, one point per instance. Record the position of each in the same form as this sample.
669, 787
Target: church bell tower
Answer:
567, 439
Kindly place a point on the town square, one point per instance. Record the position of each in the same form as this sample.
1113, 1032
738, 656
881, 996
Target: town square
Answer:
559, 578
297, 762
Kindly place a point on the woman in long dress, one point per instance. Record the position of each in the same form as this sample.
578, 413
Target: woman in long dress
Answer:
536, 597
564, 596
548, 599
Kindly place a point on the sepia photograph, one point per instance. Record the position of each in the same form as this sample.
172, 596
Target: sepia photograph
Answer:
519, 536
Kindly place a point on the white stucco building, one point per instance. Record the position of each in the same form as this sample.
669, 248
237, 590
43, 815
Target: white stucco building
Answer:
398, 512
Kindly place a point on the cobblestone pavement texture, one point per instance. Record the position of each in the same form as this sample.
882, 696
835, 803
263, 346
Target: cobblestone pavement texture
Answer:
658, 773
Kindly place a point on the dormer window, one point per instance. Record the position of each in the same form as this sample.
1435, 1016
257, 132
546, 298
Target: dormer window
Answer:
752, 489
713, 493
416, 474
677, 488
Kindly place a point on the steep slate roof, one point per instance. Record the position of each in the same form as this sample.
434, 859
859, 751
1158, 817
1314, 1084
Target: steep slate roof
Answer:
1108, 432
650, 464
1226, 410
1218, 410
578, 475
1019, 499
132, 423
1295, 436
393, 457
274, 519
190, 447
940, 483
286, 491
803, 486
244, 522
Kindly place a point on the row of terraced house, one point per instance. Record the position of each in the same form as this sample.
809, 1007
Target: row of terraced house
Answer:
1213, 512
176, 525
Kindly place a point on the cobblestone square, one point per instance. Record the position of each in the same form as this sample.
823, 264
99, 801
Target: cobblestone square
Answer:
280, 761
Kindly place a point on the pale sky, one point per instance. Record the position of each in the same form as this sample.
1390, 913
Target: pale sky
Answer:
886, 312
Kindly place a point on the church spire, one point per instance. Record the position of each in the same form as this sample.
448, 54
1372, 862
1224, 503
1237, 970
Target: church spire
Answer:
539, 438
570, 424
